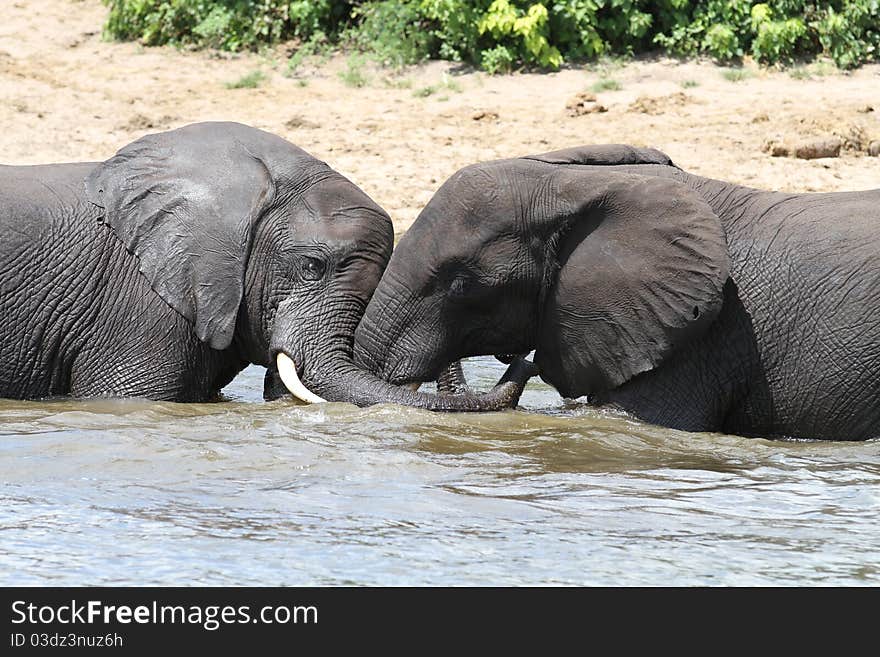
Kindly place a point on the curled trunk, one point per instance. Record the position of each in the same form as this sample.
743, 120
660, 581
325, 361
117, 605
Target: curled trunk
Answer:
452, 380
351, 384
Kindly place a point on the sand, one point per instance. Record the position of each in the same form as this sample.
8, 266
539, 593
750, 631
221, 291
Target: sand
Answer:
68, 95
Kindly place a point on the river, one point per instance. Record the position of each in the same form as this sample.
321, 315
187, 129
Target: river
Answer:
242, 492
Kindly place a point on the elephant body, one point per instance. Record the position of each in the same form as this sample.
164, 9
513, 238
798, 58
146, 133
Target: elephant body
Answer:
79, 318
688, 302
795, 350
163, 271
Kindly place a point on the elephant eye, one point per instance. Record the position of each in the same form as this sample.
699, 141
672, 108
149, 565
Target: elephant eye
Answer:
466, 288
459, 286
313, 269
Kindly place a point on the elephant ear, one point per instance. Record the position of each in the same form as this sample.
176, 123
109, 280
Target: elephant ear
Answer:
603, 154
185, 202
642, 266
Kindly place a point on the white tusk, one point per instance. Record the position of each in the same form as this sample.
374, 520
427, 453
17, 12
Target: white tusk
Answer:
287, 372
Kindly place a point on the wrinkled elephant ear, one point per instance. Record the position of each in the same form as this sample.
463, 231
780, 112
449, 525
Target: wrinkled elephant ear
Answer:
185, 202
642, 266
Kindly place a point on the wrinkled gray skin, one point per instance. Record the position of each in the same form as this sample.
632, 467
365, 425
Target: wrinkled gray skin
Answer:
165, 270
689, 302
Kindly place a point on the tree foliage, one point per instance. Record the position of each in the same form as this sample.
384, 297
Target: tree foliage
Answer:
502, 34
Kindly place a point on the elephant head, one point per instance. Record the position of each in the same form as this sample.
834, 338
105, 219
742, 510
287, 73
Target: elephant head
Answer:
265, 250
604, 273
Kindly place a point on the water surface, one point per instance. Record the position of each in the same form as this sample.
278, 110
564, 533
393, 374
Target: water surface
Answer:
242, 492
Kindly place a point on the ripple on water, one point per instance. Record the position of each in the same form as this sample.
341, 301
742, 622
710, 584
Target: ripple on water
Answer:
245, 492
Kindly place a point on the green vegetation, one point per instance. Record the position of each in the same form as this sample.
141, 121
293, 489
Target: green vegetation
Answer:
450, 84
250, 80
501, 35
392, 32
689, 84
225, 24
353, 75
822, 67
736, 74
606, 84
816, 69
497, 60
397, 83
316, 46
447, 84
424, 92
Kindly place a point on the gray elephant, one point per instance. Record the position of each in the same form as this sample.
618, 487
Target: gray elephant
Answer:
165, 270
688, 302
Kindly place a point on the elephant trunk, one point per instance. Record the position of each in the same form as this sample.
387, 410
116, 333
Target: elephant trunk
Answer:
349, 383
452, 380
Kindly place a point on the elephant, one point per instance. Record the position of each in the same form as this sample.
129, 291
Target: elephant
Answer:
165, 270
684, 301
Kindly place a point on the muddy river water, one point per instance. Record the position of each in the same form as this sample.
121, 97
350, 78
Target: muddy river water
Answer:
132, 492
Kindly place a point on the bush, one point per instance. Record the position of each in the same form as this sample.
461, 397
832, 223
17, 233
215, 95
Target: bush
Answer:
395, 32
502, 34
848, 31
850, 35
224, 24
523, 34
